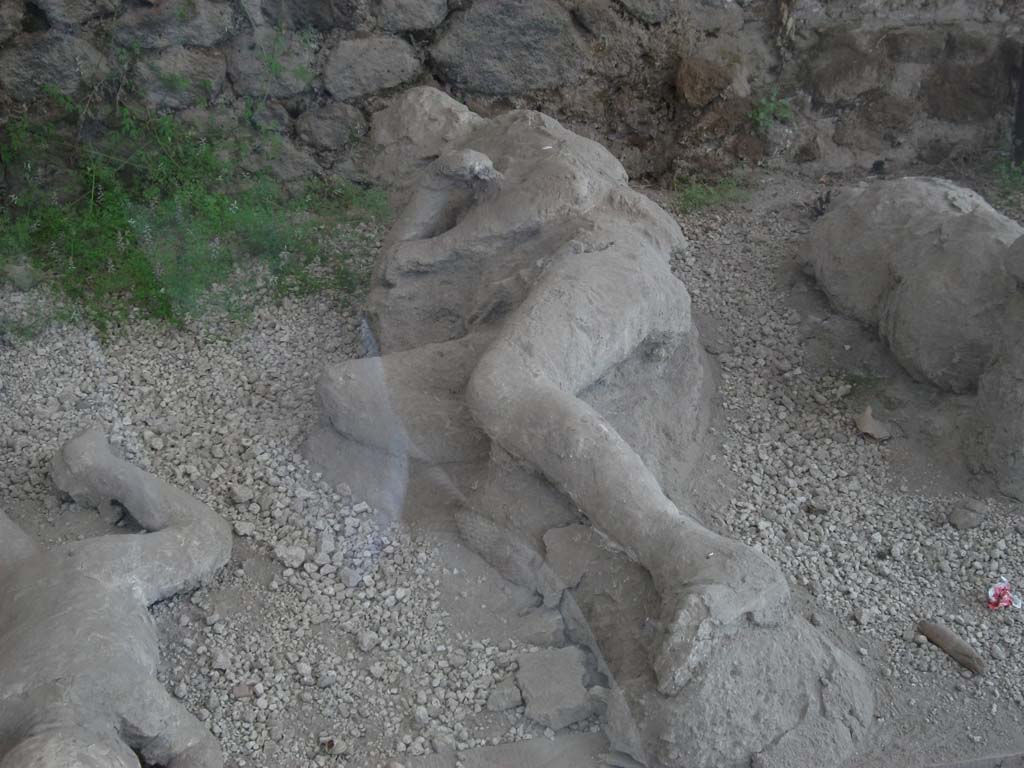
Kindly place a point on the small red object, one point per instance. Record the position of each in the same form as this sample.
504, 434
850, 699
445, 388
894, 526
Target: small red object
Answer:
1000, 596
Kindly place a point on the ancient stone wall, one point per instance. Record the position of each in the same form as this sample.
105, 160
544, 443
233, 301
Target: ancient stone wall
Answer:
667, 84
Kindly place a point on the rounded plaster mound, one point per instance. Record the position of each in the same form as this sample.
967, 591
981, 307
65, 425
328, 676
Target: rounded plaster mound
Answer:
940, 274
925, 262
539, 365
996, 442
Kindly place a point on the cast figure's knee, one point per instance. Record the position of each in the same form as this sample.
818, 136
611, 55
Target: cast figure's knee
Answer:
72, 468
489, 394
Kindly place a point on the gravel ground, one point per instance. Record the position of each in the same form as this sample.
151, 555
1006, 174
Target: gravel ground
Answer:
331, 640
328, 639
874, 547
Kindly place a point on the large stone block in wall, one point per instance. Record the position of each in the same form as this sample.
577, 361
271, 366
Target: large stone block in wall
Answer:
271, 62
699, 81
275, 155
894, 13
318, 14
335, 126
69, 12
367, 65
509, 46
177, 77
11, 14
840, 70
650, 11
49, 59
175, 22
975, 86
410, 15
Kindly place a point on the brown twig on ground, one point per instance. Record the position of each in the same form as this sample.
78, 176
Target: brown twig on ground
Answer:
953, 645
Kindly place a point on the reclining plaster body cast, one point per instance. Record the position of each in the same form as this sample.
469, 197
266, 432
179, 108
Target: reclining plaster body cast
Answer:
605, 291
522, 272
78, 647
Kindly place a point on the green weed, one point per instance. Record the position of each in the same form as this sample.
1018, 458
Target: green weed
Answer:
305, 74
13, 331
346, 198
1008, 178
694, 195
20, 330
154, 214
272, 58
768, 110
187, 10
249, 108
173, 81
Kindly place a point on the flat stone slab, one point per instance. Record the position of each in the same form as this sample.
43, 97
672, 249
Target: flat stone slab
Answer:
552, 686
505, 695
569, 552
578, 750
543, 626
